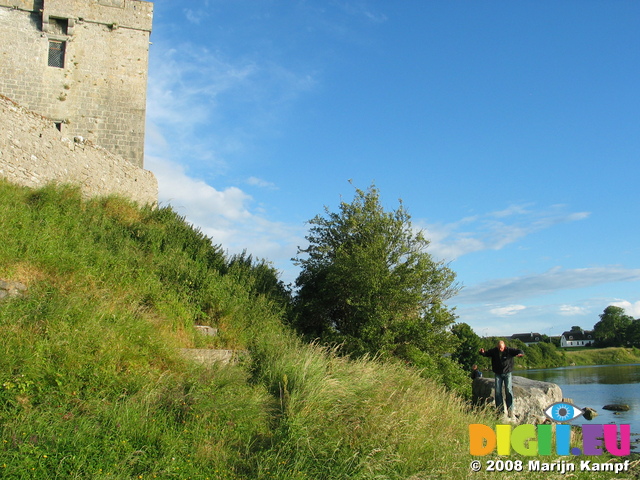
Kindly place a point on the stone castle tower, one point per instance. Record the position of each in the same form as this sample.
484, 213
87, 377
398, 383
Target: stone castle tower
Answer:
82, 64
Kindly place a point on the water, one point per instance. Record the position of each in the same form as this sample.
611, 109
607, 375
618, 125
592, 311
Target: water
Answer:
596, 386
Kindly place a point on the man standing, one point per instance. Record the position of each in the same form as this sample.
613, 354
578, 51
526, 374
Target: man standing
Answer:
502, 366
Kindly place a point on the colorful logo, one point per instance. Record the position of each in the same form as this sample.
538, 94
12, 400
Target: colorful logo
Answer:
527, 439
562, 412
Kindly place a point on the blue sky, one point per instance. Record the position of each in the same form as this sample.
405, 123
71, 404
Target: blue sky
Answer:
510, 130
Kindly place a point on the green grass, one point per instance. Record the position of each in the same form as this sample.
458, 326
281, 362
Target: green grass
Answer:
603, 356
92, 384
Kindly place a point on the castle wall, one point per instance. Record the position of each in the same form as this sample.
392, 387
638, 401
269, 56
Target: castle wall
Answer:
33, 153
99, 92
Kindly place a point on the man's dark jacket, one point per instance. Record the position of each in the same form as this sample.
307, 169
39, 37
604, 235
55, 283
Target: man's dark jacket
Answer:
502, 361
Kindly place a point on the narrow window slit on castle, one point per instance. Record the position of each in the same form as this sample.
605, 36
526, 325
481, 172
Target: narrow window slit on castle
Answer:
56, 53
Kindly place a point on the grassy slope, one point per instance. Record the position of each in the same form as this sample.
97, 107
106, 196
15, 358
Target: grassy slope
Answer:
603, 356
91, 385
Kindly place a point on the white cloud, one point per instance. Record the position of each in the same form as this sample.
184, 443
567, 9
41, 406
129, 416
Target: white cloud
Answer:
194, 96
572, 310
195, 16
195, 196
507, 311
226, 216
192, 93
229, 223
186, 82
362, 9
551, 281
512, 210
632, 309
493, 230
492, 319
258, 182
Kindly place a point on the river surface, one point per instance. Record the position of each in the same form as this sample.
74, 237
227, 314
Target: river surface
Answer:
597, 386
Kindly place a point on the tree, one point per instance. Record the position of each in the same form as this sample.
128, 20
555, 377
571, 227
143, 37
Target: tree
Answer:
633, 333
259, 277
368, 284
544, 355
467, 353
611, 330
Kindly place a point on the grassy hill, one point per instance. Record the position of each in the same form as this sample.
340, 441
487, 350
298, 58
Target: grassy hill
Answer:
602, 356
92, 384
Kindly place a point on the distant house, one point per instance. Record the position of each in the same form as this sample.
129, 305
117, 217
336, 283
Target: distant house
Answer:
577, 338
527, 338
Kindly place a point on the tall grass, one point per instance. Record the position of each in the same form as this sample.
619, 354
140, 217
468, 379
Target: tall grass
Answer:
359, 419
92, 384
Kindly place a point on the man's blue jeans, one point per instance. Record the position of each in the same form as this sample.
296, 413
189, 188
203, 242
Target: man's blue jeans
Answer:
504, 378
